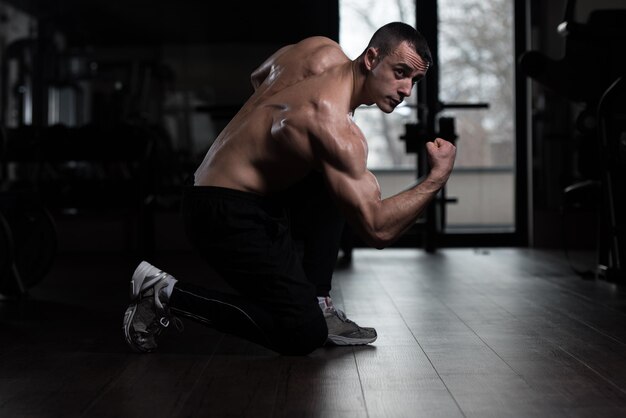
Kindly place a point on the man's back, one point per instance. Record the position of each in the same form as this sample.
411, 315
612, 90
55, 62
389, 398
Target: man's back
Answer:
297, 121
248, 155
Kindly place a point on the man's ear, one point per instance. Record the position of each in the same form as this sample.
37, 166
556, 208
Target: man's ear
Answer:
371, 58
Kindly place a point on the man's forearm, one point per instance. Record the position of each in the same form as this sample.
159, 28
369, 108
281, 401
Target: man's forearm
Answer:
398, 213
384, 221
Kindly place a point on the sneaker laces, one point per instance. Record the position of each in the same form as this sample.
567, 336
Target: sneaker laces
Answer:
341, 315
327, 306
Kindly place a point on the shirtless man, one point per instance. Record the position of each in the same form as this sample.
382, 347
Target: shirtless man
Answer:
268, 201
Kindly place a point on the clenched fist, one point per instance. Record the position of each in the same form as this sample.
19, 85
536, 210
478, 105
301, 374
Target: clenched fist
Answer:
441, 155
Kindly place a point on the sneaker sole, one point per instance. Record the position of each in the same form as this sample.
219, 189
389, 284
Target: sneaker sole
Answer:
128, 319
138, 283
339, 340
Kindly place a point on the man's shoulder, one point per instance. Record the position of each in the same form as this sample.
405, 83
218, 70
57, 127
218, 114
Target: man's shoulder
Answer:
321, 48
316, 41
330, 122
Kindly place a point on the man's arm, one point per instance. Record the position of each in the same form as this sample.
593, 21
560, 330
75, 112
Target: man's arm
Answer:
378, 221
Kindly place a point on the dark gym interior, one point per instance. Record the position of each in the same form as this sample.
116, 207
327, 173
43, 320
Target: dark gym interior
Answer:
106, 109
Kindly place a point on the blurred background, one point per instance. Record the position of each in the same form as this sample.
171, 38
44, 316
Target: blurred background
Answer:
107, 107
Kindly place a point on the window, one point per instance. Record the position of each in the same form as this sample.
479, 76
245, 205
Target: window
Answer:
359, 21
476, 62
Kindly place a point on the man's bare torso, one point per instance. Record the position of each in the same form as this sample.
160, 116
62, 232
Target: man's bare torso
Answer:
269, 143
297, 121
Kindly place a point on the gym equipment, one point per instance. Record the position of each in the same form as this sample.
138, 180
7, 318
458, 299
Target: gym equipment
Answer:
612, 136
416, 136
28, 235
28, 242
593, 72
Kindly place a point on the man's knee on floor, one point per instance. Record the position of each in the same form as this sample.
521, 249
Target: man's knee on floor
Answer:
304, 339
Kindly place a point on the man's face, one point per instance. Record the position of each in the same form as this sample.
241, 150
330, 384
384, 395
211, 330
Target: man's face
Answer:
392, 78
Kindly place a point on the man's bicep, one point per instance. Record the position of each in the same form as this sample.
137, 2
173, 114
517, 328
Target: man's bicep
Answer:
342, 156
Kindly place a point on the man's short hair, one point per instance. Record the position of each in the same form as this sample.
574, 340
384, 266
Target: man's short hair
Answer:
389, 36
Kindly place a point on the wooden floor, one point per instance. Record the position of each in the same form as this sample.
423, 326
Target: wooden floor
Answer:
464, 332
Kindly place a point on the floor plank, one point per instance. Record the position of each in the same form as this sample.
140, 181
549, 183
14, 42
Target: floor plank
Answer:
505, 332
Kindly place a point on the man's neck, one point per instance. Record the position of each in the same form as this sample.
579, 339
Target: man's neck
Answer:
357, 82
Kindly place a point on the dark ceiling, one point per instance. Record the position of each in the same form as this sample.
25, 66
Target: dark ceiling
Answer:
119, 22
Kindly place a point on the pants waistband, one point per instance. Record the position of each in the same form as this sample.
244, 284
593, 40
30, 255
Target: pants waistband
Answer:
212, 192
